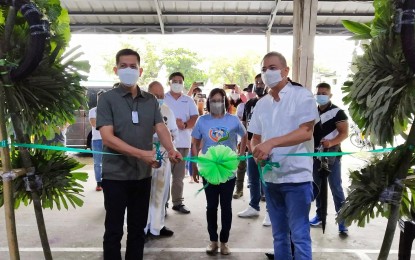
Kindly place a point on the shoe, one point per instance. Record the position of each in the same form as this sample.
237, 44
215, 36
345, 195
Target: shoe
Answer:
248, 213
267, 221
166, 232
315, 221
262, 198
238, 194
212, 248
98, 188
270, 255
224, 249
181, 208
343, 229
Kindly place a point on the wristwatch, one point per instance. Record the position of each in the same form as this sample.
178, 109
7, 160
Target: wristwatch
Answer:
185, 125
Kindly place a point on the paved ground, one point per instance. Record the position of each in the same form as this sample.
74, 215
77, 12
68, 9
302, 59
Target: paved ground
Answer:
77, 233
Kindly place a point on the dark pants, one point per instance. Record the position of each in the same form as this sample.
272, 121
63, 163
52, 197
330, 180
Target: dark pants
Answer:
119, 195
214, 194
240, 176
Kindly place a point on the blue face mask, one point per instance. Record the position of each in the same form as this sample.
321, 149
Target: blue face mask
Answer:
322, 99
161, 101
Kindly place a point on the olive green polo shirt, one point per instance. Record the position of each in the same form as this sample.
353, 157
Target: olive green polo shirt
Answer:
114, 109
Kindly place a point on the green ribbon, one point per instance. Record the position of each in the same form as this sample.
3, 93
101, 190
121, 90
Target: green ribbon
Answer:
59, 148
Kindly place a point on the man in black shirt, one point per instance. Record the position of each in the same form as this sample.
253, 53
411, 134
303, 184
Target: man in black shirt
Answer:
253, 174
332, 129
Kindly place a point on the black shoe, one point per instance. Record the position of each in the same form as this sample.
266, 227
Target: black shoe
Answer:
270, 255
165, 232
262, 198
181, 208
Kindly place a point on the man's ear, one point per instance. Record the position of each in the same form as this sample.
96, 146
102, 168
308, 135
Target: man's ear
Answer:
141, 71
115, 69
286, 71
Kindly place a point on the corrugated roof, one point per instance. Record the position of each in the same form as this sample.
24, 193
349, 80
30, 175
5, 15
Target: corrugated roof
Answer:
206, 16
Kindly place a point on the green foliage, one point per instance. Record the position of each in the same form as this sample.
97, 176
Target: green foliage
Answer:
186, 62
48, 98
383, 87
362, 203
61, 181
239, 70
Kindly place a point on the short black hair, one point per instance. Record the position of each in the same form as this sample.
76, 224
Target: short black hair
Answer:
258, 76
197, 89
324, 85
174, 74
214, 92
126, 52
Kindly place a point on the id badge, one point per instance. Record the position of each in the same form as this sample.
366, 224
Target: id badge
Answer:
134, 117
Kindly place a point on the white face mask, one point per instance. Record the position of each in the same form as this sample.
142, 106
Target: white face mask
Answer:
235, 96
271, 77
177, 87
128, 76
161, 101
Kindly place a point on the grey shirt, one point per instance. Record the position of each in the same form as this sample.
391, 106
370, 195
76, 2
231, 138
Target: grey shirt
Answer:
115, 109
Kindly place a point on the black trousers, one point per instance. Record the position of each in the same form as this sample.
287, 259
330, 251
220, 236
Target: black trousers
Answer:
214, 194
119, 195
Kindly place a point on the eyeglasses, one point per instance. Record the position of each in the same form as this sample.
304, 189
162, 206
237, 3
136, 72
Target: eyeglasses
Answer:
272, 67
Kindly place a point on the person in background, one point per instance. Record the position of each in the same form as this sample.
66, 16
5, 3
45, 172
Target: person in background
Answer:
126, 118
208, 132
328, 134
96, 144
255, 184
283, 123
185, 111
160, 182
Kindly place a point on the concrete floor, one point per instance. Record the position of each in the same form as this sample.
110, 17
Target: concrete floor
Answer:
77, 233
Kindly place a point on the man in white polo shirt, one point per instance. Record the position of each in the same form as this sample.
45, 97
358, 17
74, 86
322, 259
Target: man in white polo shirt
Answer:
283, 123
186, 113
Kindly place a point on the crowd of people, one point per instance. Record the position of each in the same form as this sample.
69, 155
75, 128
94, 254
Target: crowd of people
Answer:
266, 121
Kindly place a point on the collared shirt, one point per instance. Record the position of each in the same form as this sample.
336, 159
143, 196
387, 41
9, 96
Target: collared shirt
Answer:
327, 127
183, 108
170, 121
248, 111
115, 109
96, 135
273, 119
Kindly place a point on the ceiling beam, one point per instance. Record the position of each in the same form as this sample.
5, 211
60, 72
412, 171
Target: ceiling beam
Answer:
232, 14
159, 15
272, 16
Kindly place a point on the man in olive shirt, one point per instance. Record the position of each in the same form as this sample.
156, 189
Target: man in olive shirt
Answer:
126, 119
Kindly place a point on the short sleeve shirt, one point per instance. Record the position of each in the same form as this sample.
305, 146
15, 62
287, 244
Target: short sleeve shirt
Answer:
327, 127
212, 130
248, 111
183, 108
273, 119
170, 121
96, 135
115, 109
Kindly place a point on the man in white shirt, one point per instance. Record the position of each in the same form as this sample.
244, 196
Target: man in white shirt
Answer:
283, 123
96, 144
160, 182
186, 113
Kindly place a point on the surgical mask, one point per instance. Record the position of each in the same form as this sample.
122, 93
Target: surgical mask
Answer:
322, 99
177, 87
271, 77
234, 96
217, 108
161, 101
128, 76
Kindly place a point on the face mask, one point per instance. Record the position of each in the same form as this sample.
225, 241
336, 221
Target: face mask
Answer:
177, 87
271, 77
322, 99
235, 96
128, 76
260, 92
161, 101
217, 108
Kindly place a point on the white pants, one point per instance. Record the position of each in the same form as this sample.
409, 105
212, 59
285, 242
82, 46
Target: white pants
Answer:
160, 188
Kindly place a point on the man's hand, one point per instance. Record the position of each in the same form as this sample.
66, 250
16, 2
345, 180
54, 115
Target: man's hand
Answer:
195, 172
149, 157
175, 156
180, 124
326, 143
262, 151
